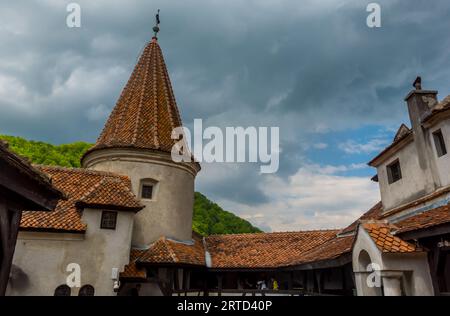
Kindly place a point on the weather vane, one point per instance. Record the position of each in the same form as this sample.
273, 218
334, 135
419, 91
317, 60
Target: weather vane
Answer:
156, 27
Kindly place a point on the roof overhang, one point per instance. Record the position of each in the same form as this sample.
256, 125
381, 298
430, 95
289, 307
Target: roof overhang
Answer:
437, 230
142, 264
436, 117
51, 230
83, 205
325, 264
391, 149
422, 92
25, 185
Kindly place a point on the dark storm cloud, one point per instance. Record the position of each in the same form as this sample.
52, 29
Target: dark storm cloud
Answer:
237, 183
306, 66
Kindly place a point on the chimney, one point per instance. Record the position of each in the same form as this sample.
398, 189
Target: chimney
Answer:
420, 103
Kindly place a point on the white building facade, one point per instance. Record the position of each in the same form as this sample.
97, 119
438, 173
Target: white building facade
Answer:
406, 239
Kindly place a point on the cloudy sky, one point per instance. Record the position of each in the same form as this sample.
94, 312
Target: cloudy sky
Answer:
334, 86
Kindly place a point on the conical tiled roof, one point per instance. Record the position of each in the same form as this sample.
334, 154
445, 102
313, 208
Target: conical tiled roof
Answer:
146, 112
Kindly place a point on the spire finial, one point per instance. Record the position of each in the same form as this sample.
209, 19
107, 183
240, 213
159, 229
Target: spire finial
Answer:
156, 27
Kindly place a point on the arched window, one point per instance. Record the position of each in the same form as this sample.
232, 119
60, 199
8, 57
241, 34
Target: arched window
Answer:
364, 260
62, 290
86, 290
368, 274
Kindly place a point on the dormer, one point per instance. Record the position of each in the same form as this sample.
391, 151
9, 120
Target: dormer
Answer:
416, 163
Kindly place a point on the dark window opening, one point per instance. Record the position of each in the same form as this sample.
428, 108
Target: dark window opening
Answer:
109, 220
439, 142
86, 290
394, 172
62, 290
147, 191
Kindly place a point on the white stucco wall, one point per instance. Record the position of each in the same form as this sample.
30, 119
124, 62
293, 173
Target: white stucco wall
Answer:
364, 243
417, 208
443, 162
413, 268
43, 257
169, 213
417, 264
413, 183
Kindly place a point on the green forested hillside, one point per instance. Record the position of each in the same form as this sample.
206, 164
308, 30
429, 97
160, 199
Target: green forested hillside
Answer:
209, 218
67, 155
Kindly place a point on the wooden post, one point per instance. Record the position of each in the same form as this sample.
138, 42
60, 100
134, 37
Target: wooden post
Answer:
172, 281
321, 282
166, 282
186, 280
314, 281
305, 281
344, 281
440, 271
291, 280
219, 284
433, 261
205, 284
318, 277
9, 227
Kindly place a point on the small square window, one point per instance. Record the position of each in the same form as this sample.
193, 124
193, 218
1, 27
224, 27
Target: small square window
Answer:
109, 220
394, 172
439, 142
147, 191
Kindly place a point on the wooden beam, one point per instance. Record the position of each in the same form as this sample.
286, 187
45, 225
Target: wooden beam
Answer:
4, 248
325, 264
440, 271
9, 227
31, 193
319, 281
305, 280
344, 279
437, 230
176, 281
185, 281
433, 260
205, 284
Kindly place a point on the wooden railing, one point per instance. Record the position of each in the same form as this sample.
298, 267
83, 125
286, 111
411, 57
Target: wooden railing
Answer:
245, 292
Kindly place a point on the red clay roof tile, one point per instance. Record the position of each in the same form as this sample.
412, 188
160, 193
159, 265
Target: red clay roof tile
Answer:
131, 271
329, 250
427, 219
167, 251
251, 251
380, 233
374, 213
111, 193
93, 188
146, 112
264, 250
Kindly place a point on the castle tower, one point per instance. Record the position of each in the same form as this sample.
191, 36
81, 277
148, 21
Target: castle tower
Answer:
136, 141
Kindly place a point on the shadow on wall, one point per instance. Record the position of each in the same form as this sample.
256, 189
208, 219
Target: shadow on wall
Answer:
18, 279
